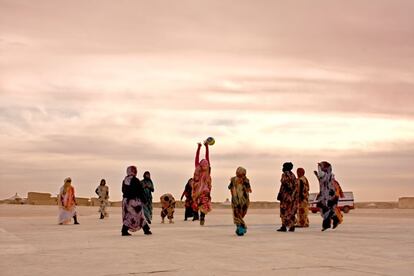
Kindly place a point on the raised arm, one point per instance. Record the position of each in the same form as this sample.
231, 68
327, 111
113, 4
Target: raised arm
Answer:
207, 154
197, 157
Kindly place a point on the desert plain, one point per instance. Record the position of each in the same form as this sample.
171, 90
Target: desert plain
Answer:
369, 242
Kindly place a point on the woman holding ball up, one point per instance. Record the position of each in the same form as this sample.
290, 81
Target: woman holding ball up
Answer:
201, 183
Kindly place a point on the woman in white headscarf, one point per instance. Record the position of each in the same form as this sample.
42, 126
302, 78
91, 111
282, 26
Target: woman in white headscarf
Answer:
67, 203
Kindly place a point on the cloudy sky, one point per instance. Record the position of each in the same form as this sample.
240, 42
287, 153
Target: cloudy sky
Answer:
90, 87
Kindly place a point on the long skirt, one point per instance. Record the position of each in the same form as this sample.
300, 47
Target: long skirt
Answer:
189, 213
103, 203
239, 212
188, 208
329, 214
302, 215
338, 214
202, 203
133, 214
65, 216
148, 211
288, 213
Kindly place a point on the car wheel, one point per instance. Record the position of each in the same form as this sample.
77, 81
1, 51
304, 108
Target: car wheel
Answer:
345, 209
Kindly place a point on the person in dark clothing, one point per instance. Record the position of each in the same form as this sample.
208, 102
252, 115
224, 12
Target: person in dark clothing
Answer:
288, 197
132, 204
148, 186
188, 200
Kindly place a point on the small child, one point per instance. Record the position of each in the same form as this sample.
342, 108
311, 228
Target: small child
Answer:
168, 206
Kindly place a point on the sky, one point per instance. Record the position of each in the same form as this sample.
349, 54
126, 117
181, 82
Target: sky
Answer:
88, 88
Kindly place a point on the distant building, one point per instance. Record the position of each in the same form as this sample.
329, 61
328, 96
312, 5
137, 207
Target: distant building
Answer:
16, 199
406, 203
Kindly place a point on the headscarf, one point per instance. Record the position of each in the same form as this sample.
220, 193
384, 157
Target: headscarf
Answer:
66, 185
241, 175
204, 164
324, 171
300, 172
147, 175
67, 193
287, 167
325, 166
241, 172
131, 173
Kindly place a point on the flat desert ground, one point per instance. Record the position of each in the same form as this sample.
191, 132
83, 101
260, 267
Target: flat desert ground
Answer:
369, 242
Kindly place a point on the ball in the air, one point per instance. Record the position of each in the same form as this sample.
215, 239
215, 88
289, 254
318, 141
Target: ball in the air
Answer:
210, 141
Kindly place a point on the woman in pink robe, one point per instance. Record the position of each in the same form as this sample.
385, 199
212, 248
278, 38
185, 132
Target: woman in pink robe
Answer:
201, 184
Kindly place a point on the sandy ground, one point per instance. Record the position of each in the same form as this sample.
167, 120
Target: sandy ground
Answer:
370, 242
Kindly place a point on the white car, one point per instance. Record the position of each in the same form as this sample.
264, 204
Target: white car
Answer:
345, 203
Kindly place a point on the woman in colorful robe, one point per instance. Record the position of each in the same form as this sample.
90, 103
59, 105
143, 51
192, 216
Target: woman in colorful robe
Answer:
148, 190
240, 188
201, 185
67, 203
132, 204
188, 200
327, 198
103, 197
288, 197
167, 207
303, 204
340, 194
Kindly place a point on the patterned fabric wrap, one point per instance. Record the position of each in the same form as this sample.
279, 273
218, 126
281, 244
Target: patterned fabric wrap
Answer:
288, 196
340, 194
133, 214
303, 205
239, 188
167, 206
148, 189
328, 194
67, 203
201, 183
103, 204
201, 194
103, 192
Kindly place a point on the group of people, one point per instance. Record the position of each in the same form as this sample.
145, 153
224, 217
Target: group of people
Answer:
137, 198
67, 201
294, 192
